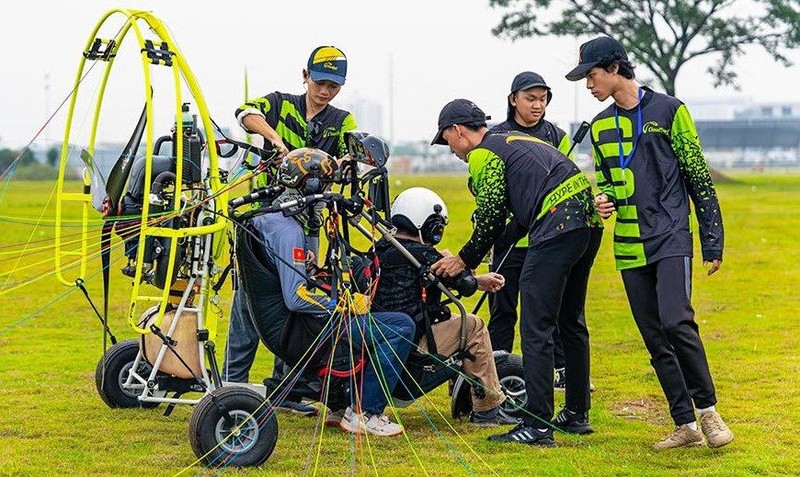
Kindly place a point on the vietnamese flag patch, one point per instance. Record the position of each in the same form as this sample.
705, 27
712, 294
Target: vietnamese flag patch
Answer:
299, 254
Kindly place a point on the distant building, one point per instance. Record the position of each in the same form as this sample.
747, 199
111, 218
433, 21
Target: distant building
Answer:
368, 113
751, 135
706, 109
769, 111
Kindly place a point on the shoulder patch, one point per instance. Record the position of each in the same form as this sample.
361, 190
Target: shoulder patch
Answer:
299, 254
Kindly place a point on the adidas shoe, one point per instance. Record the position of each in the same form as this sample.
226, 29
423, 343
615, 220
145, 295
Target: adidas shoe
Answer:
525, 434
572, 422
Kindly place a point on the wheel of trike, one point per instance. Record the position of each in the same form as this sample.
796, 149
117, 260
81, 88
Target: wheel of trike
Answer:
232, 426
512, 381
112, 372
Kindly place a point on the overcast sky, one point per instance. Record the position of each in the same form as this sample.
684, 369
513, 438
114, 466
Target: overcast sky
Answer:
439, 49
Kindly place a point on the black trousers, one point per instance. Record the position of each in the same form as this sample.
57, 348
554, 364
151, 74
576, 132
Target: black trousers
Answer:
553, 285
503, 304
660, 299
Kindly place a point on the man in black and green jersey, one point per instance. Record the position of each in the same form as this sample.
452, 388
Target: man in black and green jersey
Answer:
649, 163
527, 104
291, 121
551, 201
288, 122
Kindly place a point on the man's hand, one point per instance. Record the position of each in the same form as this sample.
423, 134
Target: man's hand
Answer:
448, 266
715, 265
604, 206
490, 282
311, 260
280, 149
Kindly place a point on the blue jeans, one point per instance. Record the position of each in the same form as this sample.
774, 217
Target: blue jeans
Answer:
242, 342
388, 337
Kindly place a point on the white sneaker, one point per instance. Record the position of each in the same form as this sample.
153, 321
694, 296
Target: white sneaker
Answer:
375, 424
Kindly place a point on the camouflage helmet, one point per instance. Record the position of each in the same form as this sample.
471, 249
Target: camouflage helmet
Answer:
308, 170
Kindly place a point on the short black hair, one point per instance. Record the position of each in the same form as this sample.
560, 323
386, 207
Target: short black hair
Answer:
624, 68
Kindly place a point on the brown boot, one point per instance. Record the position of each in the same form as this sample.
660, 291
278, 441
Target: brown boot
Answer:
682, 436
717, 433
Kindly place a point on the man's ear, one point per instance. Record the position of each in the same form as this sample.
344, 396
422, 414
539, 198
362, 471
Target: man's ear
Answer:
305, 74
512, 101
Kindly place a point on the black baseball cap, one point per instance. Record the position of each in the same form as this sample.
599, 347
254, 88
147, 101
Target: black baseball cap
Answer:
527, 80
459, 111
593, 52
523, 82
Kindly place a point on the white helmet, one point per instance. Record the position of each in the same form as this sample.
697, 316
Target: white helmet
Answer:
420, 210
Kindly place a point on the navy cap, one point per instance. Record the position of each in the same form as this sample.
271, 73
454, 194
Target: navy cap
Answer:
327, 63
523, 82
459, 111
601, 49
527, 80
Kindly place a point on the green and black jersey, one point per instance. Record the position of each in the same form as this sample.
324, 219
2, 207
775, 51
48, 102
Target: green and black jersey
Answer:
521, 174
652, 191
286, 113
544, 130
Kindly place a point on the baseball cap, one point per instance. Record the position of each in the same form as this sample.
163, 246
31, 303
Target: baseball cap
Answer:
459, 111
525, 81
327, 63
593, 52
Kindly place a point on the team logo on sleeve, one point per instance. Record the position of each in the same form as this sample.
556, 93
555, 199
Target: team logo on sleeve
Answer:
299, 255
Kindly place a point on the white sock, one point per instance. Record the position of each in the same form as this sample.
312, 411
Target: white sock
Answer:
692, 425
706, 409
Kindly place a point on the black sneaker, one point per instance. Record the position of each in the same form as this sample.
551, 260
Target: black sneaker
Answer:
298, 408
572, 422
492, 417
525, 434
560, 379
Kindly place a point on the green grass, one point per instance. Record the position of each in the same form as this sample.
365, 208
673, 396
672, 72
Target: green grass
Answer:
53, 422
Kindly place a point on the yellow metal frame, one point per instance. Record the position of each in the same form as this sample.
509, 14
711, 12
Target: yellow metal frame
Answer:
66, 258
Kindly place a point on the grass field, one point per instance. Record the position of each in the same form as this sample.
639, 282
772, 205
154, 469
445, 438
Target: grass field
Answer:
52, 421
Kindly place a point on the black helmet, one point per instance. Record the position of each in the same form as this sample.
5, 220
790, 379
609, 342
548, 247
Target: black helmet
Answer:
308, 170
366, 148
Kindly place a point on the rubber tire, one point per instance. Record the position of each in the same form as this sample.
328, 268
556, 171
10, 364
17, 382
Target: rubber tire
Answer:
208, 430
109, 379
512, 381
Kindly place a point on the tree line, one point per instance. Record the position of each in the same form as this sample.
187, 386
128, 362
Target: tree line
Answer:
26, 165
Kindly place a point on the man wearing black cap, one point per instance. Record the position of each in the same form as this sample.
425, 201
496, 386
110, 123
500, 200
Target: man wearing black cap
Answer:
288, 122
551, 200
527, 103
649, 163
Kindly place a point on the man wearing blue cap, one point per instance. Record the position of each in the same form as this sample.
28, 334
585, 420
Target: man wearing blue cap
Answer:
649, 165
551, 200
288, 122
